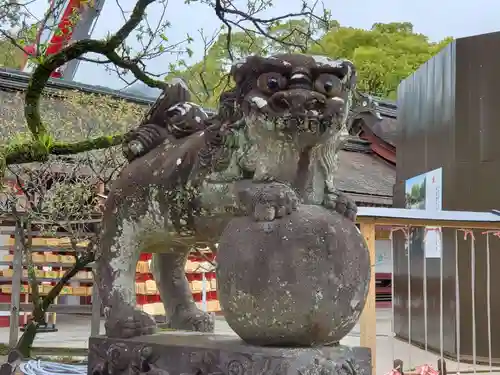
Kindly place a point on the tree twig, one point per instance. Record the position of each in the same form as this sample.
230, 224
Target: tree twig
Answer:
43, 71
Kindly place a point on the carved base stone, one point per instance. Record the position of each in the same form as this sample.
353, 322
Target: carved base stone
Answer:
196, 353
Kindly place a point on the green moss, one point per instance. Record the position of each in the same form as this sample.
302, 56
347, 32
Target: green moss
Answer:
4, 349
19, 153
59, 352
165, 329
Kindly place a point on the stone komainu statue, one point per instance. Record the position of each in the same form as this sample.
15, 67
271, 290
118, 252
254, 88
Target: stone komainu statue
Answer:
272, 144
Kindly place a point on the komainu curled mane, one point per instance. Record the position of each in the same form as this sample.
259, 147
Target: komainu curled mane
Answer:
273, 143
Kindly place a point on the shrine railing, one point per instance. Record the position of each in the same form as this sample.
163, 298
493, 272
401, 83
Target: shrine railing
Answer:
441, 292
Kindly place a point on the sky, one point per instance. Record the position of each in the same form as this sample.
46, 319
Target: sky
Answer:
435, 18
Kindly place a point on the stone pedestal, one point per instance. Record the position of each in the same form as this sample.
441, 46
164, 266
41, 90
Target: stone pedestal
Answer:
193, 353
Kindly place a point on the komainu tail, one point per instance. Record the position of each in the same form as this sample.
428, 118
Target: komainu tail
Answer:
172, 115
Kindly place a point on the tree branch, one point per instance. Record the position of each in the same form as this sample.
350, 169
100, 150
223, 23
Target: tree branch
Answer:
134, 20
262, 25
43, 71
40, 77
134, 68
31, 152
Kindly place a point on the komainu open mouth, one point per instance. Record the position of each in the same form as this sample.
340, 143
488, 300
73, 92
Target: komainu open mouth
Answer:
312, 117
309, 122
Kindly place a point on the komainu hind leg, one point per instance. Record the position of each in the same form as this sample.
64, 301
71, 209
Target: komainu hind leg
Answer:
181, 310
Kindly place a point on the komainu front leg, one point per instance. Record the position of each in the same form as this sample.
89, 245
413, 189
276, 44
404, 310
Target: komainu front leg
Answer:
181, 310
266, 201
116, 264
341, 203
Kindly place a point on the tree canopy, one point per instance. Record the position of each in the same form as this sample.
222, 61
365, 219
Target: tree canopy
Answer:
383, 55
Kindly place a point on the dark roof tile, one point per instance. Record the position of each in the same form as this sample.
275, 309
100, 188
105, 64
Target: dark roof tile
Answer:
387, 129
363, 173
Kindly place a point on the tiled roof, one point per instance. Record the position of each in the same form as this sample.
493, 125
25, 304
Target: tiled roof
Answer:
15, 80
366, 174
387, 128
381, 117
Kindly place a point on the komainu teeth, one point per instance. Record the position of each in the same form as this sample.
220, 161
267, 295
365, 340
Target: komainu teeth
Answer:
313, 126
305, 124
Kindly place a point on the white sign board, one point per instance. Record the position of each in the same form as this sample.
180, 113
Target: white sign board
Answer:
424, 192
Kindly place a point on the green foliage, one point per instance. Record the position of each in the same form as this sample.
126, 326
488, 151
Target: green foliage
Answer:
10, 55
383, 55
208, 78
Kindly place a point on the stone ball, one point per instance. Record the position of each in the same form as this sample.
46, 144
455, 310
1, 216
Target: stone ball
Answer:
301, 280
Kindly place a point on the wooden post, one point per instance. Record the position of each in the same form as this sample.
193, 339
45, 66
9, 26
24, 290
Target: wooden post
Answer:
369, 317
95, 323
25, 314
54, 315
17, 265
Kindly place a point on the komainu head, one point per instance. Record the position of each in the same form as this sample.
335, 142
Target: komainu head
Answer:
297, 96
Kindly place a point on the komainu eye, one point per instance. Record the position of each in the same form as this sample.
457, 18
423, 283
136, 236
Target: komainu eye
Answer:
329, 85
271, 82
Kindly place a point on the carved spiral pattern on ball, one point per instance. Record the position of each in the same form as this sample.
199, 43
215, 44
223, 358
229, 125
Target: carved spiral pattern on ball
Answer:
118, 355
235, 367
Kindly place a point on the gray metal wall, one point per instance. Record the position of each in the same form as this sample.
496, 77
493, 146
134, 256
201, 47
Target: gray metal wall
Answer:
448, 113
